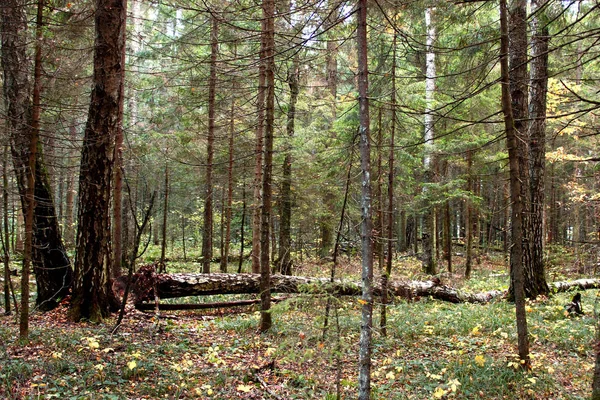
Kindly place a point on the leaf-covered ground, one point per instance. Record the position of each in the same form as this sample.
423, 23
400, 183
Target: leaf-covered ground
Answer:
433, 350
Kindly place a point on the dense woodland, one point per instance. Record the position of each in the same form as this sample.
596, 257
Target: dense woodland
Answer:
278, 145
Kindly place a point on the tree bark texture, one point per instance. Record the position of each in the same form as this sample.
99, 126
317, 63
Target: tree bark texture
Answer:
366, 229
258, 170
516, 193
207, 232
91, 296
285, 238
268, 61
535, 271
50, 261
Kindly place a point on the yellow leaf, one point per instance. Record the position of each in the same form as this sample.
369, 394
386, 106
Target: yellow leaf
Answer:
439, 393
361, 301
244, 388
480, 360
550, 370
475, 331
390, 375
532, 380
131, 364
99, 367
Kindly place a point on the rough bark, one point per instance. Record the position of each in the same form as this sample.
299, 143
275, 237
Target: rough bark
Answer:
50, 261
117, 234
366, 231
257, 199
285, 241
516, 194
228, 210
6, 233
390, 195
268, 62
207, 232
535, 271
468, 219
91, 296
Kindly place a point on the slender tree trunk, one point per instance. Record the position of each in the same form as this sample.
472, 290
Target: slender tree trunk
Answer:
163, 245
268, 65
519, 92
36, 112
364, 363
535, 272
207, 242
70, 195
258, 170
468, 218
92, 297
285, 259
429, 229
390, 211
117, 234
6, 233
242, 228
227, 244
516, 254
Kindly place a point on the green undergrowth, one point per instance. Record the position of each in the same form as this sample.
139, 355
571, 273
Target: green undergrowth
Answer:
433, 350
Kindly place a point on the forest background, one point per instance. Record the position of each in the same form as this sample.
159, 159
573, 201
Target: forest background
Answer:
272, 137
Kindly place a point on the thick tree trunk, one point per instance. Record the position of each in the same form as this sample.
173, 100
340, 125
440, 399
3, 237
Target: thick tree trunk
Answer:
50, 261
258, 170
207, 232
535, 271
92, 298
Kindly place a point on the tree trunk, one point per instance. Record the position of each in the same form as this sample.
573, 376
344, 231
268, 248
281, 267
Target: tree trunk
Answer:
242, 227
5, 232
91, 296
258, 170
117, 234
390, 194
207, 232
364, 363
516, 254
519, 92
227, 241
535, 272
285, 248
429, 229
51, 264
268, 65
468, 218
163, 245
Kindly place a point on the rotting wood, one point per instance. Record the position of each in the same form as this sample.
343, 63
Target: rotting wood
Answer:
192, 284
203, 306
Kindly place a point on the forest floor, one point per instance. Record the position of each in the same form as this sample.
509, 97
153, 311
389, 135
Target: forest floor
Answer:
433, 349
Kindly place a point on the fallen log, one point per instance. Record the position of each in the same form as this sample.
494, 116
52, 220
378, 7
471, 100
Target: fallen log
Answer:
202, 306
197, 284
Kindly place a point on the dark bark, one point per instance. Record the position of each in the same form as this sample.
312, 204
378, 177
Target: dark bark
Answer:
227, 241
535, 271
516, 194
366, 231
5, 233
468, 219
242, 228
258, 169
207, 232
50, 262
268, 65
70, 195
285, 240
92, 298
390, 211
